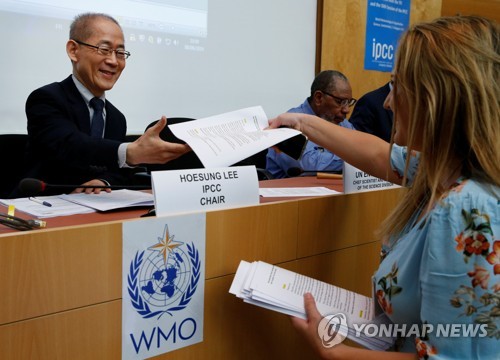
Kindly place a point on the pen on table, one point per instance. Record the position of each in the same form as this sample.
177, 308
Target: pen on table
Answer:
42, 202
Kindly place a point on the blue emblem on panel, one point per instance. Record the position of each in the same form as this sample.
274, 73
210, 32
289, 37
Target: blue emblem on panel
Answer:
163, 278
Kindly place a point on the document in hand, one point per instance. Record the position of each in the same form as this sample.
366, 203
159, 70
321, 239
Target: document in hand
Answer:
281, 290
223, 140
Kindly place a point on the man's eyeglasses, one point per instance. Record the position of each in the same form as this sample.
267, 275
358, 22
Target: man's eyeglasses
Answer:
340, 101
106, 51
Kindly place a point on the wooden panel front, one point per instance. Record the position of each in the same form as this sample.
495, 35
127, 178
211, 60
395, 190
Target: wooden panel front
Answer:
61, 288
266, 232
92, 332
53, 270
327, 224
233, 329
47, 271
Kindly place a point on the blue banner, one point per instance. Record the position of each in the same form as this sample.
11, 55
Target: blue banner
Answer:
385, 21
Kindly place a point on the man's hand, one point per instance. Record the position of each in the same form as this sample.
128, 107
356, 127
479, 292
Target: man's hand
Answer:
94, 182
151, 149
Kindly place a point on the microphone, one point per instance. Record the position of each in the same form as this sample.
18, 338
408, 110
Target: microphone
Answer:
323, 174
30, 186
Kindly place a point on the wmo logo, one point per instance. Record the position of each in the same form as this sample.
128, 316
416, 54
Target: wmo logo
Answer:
163, 279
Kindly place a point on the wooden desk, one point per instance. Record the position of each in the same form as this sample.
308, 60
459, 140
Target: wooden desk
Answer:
134, 213
60, 288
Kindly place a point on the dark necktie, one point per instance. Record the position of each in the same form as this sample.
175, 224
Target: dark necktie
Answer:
97, 126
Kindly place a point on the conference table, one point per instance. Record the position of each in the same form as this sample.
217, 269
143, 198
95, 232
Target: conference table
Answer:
61, 286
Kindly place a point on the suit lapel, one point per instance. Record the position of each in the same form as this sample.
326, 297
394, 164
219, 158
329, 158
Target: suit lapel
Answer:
113, 127
77, 103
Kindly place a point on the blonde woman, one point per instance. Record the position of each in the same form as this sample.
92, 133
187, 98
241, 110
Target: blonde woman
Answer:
441, 245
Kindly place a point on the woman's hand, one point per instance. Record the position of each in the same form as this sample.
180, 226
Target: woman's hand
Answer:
309, 329
321, 335
291, 120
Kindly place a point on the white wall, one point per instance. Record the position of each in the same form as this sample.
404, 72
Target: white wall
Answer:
258, 52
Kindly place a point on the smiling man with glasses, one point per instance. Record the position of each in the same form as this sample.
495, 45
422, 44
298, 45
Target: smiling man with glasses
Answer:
76, 136
105, 50
330, 99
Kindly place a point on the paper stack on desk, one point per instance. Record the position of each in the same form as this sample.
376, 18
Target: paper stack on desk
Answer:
71, 204
59, 207
281, 290
116, 199
297, 191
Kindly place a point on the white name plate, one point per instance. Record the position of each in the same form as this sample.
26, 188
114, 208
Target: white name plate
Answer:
356, 180
193, 190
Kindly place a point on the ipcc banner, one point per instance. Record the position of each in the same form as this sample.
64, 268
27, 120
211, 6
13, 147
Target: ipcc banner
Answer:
385, 22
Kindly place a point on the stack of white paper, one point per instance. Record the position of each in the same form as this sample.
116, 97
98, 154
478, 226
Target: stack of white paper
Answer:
71, 204
116, 199
297, 191
58, 206
281, 290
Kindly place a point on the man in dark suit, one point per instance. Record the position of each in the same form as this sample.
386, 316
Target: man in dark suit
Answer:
371, 116
65, 147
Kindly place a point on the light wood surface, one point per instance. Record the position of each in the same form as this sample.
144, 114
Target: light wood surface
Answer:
488, 8
327, 224
61, 288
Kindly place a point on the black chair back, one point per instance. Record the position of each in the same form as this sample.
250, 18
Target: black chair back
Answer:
13, 150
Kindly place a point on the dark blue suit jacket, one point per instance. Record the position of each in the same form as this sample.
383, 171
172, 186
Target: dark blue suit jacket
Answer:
369, 114
60, 149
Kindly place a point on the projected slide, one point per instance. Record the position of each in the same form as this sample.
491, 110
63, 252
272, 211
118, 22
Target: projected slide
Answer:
164, 16
189, 58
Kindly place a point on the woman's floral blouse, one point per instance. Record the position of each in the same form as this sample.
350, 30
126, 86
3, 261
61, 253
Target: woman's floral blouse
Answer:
443, 273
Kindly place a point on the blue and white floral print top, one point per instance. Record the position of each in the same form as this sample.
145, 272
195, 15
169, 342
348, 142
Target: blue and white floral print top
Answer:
444, 272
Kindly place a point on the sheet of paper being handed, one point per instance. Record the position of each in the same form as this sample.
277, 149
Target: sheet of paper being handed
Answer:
223, 140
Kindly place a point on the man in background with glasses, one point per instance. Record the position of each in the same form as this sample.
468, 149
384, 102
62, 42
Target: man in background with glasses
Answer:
330, 99
76, 136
